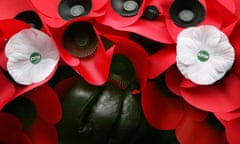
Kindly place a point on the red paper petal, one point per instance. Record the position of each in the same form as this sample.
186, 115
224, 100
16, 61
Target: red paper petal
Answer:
234, 39
228, 115
173, 79
232, 131
162, 60
17, 137
63, 86
95, 69
43, 133
194, 113
10, 8
3, 58
50, 10
47, 103
237, 3
161, 111
192, 132
221, 97
115, 20
8, 124
10, 27
7, 90
155, 30
229, 4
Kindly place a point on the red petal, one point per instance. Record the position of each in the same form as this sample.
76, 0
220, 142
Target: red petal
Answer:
173, 80
237, 3
234, 39
95, 69
162, 60
223, 96
8, 124
228, 115
7, 90
232, 131
10, 8
43, 133
63, 86
194, 113
3, 58
161, 111
17, 137
50, 10
10, 27
192, 132
115, 20
47, 103
229, 4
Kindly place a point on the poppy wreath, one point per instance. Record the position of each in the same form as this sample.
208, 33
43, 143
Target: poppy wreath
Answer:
119, 71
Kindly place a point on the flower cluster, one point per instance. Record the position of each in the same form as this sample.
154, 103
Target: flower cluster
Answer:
185, 57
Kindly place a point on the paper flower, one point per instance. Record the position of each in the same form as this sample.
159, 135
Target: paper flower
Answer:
32, 56
166, 111
220, 97
167, 53
31, 118
204, 54
60, 12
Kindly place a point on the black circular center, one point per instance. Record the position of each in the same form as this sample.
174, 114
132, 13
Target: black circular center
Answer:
187, 13
74, 8
24, 109
151, 13
80, 39
126, 8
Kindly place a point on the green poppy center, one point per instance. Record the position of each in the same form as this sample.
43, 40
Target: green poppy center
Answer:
203, 55
35, 58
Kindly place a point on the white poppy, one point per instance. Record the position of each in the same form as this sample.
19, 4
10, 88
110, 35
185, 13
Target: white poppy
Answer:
31, 55
204, 54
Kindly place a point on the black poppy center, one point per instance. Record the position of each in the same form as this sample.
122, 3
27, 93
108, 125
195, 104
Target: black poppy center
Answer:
126, 8
187, 13
151, 13
74, 8
80, 39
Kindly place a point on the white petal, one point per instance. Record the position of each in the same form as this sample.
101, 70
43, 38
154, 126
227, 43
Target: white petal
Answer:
18, 51
217, 54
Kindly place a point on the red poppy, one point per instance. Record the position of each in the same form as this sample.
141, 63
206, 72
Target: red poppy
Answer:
87, 57
166, 111
126, 47
53, 16
35, 122
159, 24
220, 97
10, 89
11, 130
232, 128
